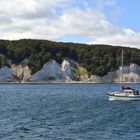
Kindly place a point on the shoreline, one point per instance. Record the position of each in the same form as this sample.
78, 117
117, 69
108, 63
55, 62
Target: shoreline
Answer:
67, 83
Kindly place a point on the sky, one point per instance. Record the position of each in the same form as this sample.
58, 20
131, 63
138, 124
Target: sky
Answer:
114, 22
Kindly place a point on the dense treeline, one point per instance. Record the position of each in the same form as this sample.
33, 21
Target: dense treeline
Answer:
97, 59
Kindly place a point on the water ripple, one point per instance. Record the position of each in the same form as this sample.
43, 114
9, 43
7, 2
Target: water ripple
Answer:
65, 112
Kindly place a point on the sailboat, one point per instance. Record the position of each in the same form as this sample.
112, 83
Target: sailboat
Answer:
125, 93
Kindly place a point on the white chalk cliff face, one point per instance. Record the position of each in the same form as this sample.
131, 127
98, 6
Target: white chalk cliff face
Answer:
130, 74
66, 72
51, 71
5, 74
17, 73
21, 73
54, 72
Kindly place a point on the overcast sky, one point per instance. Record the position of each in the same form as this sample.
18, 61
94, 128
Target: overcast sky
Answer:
115, 22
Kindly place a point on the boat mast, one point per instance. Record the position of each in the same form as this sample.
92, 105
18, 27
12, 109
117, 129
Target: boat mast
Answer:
122, 70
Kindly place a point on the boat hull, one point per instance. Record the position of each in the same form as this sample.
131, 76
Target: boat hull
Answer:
125, 98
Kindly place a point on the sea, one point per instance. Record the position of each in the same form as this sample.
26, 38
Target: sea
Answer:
66, 112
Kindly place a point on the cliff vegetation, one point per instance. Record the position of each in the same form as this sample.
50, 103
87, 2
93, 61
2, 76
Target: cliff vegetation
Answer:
97, 59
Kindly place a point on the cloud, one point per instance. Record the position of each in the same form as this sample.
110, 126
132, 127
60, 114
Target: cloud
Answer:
29, 19
103, 3
127, 38
45, 19
85, 23
4, 19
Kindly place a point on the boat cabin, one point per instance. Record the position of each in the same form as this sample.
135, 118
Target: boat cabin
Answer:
128, 90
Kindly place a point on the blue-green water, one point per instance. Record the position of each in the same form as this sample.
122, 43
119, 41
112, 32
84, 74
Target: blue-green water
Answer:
66, 112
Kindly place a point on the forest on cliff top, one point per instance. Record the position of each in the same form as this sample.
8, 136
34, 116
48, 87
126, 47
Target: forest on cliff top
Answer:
97, 59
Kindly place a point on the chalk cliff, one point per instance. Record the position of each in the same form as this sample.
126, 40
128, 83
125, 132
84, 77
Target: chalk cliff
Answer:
130, 74
54, 72
17, 73
67, 68
68, 71
21, 73
5, 74
51, 71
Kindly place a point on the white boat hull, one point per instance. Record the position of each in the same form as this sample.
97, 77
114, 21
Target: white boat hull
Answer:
125, 98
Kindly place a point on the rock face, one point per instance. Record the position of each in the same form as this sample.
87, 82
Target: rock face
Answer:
21, 73
130, 74
51, 71
17, 73
54, 72
5, 74
68, 71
